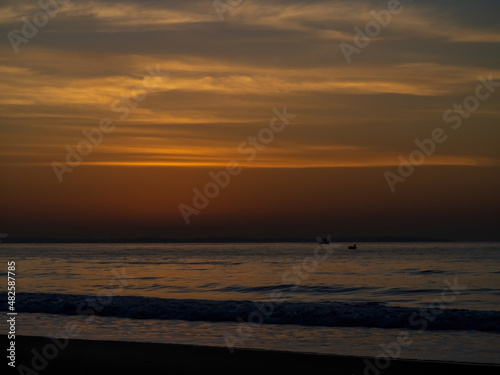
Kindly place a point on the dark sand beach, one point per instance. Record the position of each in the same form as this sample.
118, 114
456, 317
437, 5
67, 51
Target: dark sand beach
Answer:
109, 357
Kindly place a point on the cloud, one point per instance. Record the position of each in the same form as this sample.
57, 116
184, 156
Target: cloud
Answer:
225, 77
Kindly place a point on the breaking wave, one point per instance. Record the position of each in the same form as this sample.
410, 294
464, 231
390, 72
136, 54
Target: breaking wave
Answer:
327, 314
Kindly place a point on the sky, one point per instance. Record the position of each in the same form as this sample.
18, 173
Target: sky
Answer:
170, 92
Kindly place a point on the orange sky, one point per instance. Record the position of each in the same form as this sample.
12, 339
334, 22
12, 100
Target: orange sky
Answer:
221, 80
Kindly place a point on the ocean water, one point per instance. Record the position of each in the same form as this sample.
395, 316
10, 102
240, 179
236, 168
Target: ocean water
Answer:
443, 297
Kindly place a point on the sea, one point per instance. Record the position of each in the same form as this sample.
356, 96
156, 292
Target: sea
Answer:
428, 301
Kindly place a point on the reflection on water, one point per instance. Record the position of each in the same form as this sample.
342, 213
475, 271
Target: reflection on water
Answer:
398, 274
461, 346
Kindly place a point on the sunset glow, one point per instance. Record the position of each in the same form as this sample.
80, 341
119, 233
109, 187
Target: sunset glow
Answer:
219, 84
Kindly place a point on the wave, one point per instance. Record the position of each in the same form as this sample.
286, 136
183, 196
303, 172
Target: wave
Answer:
177, 263
329, 290
416, 271
304, 289
328, 314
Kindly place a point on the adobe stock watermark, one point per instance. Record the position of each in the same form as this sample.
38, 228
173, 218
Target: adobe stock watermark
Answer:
224, 6
94, 137
427, 147
420, 321
295, 277
372, 29
41, 359
39, 19
221, 179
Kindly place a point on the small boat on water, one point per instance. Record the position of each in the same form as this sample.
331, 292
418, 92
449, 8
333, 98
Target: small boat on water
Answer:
353, 247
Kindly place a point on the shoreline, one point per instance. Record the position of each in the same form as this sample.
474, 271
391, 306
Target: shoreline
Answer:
117, 357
